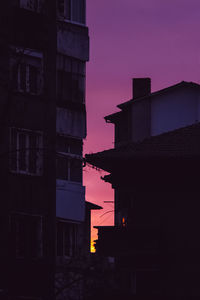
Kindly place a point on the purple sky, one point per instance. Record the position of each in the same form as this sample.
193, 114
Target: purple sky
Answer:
133, 38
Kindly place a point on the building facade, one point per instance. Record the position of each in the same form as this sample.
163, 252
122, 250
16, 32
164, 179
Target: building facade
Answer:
153, 170
44, 49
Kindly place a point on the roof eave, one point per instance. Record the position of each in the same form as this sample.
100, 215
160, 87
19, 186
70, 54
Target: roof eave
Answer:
93, 206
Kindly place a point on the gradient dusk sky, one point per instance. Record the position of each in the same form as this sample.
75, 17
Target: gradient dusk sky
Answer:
133, 38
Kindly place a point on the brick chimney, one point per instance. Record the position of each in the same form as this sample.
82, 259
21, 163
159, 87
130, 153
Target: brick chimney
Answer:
141, 87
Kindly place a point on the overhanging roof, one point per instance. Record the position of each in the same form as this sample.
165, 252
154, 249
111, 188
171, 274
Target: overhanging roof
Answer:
93, 206
183, 142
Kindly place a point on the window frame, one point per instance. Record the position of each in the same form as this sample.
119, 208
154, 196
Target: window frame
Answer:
29, 58
70, 159
37, 6
70, 71
14, 219
70, 19
27, 79
70, 156
39, 151
72, 238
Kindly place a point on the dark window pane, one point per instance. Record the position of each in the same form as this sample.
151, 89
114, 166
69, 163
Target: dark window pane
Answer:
62, 144
76, 146
71, 81
60, 84
67, 86
82, 11
61, 7
78, 11
13, 150
81, 96
68, 9
15, 76
22, 152
33, 237
35, 5
73, 238
22, 76
59, 242
75, 66
32, 154
25, 154
33, 77
21, 238
62, 168
69, 145
26, 230
75, 88
76, 170
81, 68
67, 240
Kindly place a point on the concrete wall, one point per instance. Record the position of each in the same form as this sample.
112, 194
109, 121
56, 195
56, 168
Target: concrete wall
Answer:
162, 113
175, 109
70, 200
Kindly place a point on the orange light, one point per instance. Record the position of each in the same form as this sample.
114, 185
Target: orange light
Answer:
123, 222
92, 248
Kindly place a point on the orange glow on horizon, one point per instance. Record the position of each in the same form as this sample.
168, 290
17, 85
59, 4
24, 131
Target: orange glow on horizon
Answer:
97, 191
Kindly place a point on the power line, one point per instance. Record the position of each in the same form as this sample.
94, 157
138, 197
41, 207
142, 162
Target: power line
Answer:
103, 221
109, 211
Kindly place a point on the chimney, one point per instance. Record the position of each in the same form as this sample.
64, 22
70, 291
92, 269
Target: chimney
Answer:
141, 87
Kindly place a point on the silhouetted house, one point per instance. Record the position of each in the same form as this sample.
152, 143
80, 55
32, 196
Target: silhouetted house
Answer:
154, 170
44, 46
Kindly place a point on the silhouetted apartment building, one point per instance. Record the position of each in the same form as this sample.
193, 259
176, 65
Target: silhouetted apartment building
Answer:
44, 46
154, 170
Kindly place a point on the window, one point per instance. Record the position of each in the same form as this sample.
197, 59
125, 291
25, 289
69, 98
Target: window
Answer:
27, 79
66, 239
72, 10
25, 151
69, 159
34, 5
69, 145
27, 235
27, 71
70, 79
68, 168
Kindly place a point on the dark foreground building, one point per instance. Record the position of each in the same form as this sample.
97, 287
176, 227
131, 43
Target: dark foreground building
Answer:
154, 172
44, 47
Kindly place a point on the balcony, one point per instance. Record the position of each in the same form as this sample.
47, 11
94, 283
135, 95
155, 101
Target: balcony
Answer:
73, 40
71, 123
70, 200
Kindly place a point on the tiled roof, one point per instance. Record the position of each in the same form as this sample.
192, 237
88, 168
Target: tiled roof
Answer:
183, 142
